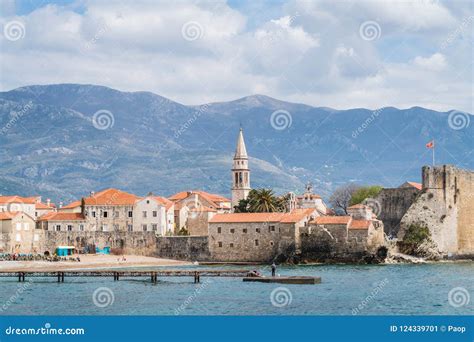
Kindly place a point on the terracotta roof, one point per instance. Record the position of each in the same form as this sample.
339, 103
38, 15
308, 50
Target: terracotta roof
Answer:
415, 185
40, 205
18, 199
211, 197
358, 206
331, 220
59, 216
359, 224
8, 215
107, 197
203, 209
166, 202
293, 217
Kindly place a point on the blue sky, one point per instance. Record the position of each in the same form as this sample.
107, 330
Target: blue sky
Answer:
339, 54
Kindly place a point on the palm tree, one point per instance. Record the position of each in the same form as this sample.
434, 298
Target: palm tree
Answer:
262, 201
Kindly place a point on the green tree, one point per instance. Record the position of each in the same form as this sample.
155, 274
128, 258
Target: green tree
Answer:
365, 192
261, 201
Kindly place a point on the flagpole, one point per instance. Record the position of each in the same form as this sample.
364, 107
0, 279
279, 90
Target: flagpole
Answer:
434, 146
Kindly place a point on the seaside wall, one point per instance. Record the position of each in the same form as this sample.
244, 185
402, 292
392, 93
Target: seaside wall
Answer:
193, 248
394, 203
138, 243
446, 207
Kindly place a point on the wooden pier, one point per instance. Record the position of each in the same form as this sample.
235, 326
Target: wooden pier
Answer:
117, 275
285, 280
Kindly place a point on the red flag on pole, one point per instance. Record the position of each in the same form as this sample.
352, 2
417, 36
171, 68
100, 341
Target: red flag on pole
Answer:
430, 144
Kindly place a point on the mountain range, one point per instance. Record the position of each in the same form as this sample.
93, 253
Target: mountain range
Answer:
63, 141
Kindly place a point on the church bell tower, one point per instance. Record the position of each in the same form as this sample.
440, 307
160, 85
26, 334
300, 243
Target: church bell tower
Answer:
240, 172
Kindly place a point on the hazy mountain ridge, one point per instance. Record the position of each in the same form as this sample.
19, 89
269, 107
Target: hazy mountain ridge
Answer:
159, 145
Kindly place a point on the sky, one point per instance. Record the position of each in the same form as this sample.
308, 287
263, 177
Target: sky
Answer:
338, 54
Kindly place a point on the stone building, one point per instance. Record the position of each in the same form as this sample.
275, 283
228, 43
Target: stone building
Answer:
240, 172
256, 236
62, 222
343, 237
193, 209
393, 203
446, 206
309, 200
116, 210
18, 204
17, 233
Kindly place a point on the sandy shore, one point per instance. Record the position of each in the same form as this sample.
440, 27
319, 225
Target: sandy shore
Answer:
90, 262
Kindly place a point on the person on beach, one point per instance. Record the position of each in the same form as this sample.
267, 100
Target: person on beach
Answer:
273, 269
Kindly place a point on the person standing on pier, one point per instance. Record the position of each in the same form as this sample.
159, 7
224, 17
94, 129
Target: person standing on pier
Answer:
273, 269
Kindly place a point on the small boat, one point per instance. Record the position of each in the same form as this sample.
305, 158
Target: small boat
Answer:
285, 280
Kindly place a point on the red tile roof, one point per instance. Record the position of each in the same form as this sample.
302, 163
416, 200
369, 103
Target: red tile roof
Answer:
332, 220
293, 217
107, 197
360, 224
44, 206
8, 215
206, 195
358, 206
60, 216
18, 199
164, 201
415, 185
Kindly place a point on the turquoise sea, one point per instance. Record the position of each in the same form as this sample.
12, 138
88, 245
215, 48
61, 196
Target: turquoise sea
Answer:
427, 289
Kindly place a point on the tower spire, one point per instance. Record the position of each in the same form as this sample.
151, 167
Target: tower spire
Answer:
240, 172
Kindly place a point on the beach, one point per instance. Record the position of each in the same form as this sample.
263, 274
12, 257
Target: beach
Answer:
90, 261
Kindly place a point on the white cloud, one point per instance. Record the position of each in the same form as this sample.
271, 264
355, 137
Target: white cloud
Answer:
308, 52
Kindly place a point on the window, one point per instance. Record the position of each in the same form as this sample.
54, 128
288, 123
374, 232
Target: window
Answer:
232, 230
130, 214
106, 214
256, 242
93, 214
155, 213
105, 228
271, 243
219, 230
272, 228
257, 230
144, 227
116, 214
130, 228
231, 245
58, 227
219, 244
18, 237
81, 227
154, 227
244, 230
36, 238
18, 226
116, 227
69, 227
147, 201
26, 226
144, 214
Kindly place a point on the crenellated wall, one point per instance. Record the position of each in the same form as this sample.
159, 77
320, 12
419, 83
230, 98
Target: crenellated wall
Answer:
446, 207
